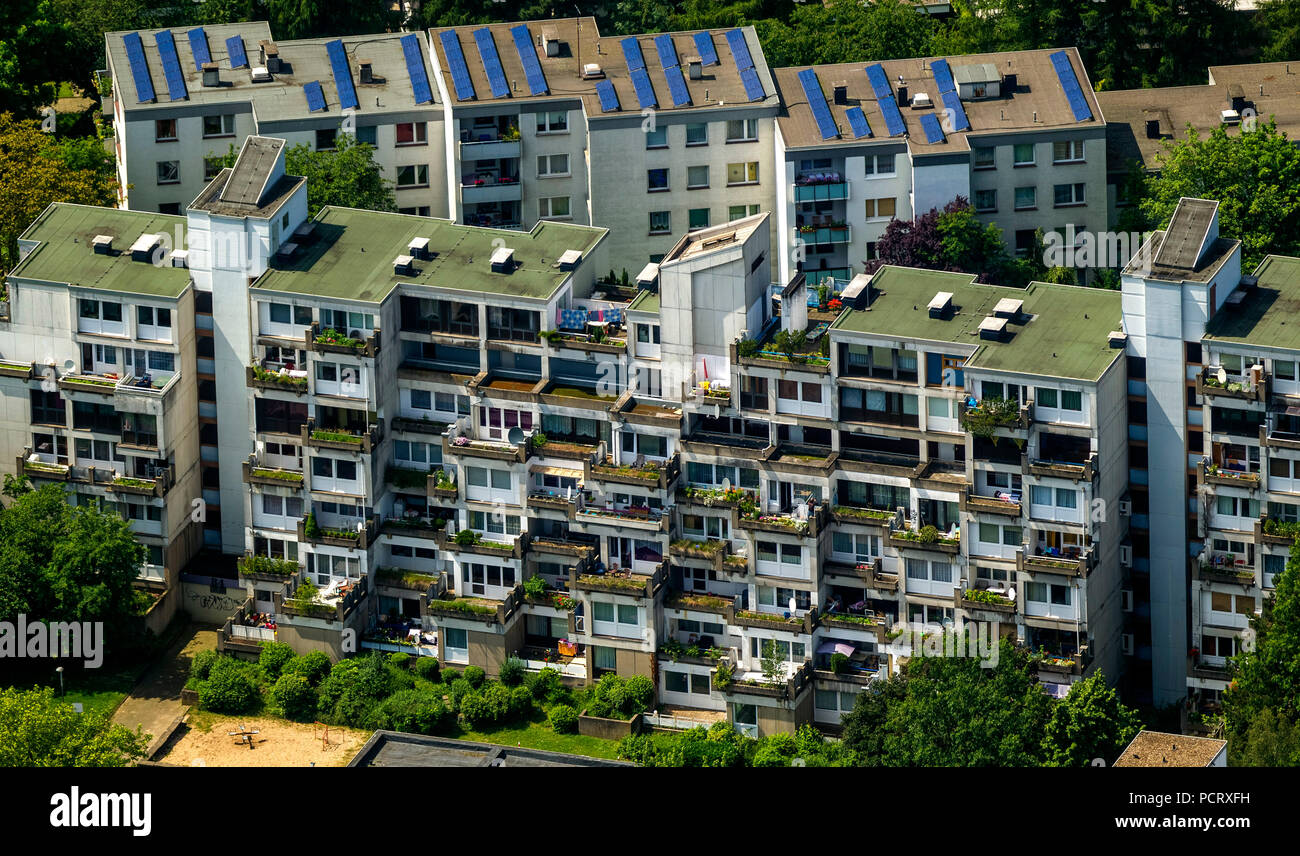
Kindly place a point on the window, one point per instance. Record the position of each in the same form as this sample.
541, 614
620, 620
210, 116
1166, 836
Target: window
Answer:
412, 133
219, 126
659, 222
1068, 194
698, 218
656, 180
879, 164
553, 206
48, 408
169, 172
879, 209
164, 130
742, 130
212, 167
986, 200
1026, 198
656, 138
739, 212
1067, 150
457, 644
697, 177
414, 175
1071, 399
325, 138
985, 158
550, 165
1023, 154
368, 134
742, 173
697, 134
553, 123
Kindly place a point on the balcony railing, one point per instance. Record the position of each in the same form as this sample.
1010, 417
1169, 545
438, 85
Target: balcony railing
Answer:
347, 439
821, 192
1214, 474
1244, 388
823, 235
907, 537
1080, 564
331, 341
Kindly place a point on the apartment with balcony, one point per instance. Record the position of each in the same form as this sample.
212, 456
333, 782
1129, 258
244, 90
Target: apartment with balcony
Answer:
181, 98
98, 373
649, 136
1019, 134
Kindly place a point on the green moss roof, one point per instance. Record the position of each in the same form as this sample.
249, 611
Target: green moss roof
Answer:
646, 301
1270, 317
351, 257
1066, 336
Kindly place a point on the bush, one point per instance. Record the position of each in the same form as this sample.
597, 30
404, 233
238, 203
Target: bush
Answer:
295, 696
475, 676
427, 668
620, 698
638, 694
512, 671
415, 711
521, 703
400, 660
928, 534
546, 685
354, 687
495, 704
563, 719
313, 666
839, 663
449, 676
228, 689
535, 587
201, 665
273, 658
459, 689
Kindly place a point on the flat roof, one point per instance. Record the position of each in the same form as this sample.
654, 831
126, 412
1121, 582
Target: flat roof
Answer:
1066, 334
1214, 257
646, 301
1186, 233
66, 254
1268, 317
1161, 749
398, 749
351, 253
724, 236
302, 61
582, 44
1039, 102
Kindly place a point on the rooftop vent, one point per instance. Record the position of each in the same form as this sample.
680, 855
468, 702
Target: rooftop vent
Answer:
1009, 82
1117, 338
993, 327
920, 100
940, 304
143, 248
287, 250
403, 265
646, 278
840, 90
1008, 307
180, 258
1153, 129
551, 41
1249, 282
503, 260
1234, 300
260, 74
858, 290
1230, 117
419, 248
569, 259
270, 55
695, 66
366, 70
592, 70
103, 244
211, 74
305, 232
718, 240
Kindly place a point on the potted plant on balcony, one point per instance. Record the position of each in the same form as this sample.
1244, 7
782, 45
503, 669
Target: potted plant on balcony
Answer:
807, 229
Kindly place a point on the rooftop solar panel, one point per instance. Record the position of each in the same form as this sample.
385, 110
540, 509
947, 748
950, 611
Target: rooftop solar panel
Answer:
740, 49
677, 86
608, 97
812, 90
528, 57
199, 47
139, 68
342, 75
456, 60
879, 81
954, 113
667, 51
704, 45
632, 53
420, 88
315, 96
858, 121
894, 123
171, 63
487, 50
930, 125
235, 47
942, 75
645, 93
753, 86
1070, 83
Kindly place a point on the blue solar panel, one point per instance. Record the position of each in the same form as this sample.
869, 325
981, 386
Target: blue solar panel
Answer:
632, 53
677, 86
199, 47
942, 75
608, 97
139, 68
858, 121
528, 56
753, 86
171, 63
704, 44
955, 113
879, 81
342, 75
1070, 83
315, 96
496, 75
645, 93
930, 124
456, 59
667, 51
894, 123
740, 49
235, 47
812, 90
415, 68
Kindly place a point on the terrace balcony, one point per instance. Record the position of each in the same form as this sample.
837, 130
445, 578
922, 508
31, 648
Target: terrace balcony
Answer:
469, 541
1074, 562
786, 523
776, 621
851, 514
870, 574
625, 583
655, 475
37, 466
416, 525
978, 600
643, 519
361, 537
465, 447
974, 503
712, 552
146, 393
1270, 531
592, 343
573, 546
331, 341
101, 384
253, 473
803, 356
860, 619
156, 485
1219, 570
337, 603
346, 439
706, 443
1274, 436
799, 680
430, 585
699, 602
908, 537
988, 415
1231, 477
558, 394
479, 609
257, 377
1075, 471
16, 368
1242, 388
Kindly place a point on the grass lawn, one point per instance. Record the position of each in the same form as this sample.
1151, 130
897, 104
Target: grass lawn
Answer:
101, 693
538, 735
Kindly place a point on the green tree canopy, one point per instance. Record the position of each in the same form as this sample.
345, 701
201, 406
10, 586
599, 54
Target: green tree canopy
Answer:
1266, 676
1089, 723
36, 730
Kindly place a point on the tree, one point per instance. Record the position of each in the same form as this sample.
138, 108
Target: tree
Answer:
304, 19
1089, 723
36, 730
773, 663
846, 31
1254, 175
1278, 25
1266, 675
954, 240
1269, 741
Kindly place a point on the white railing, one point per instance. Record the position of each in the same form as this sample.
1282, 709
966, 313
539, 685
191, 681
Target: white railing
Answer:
574, 669
257, 634
669, 720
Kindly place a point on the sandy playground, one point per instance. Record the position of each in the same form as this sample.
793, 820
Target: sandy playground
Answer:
207, 742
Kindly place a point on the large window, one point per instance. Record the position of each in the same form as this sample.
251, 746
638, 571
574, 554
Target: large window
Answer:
553, 206
516, 325
219, 126
412, 133
413, 175
553, 123
656, 180
1067, 150
1068, 194
742, 130
742, 173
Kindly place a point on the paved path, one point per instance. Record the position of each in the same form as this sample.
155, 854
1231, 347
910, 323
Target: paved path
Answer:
156, 700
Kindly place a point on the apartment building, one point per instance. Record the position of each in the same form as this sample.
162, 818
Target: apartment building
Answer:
1020, 134
97, 373
179, 99
649, 136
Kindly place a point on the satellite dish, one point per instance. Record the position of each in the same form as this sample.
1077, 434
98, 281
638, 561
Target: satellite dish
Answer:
792, 607
1223, 375
516, 435
726, 485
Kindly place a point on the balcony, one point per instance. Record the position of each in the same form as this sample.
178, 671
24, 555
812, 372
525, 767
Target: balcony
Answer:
712, 552
907, 537
476, 608
786, 524
461, 446
333, 604
1269, 531
588, 342
343, 439
852, 514
566, 395
1079, 565
439, 488
655, 475
271, 476
101, 384
1220, 570
361, 537
488, 145
331, 341
629, 584
1215, 474
988, 415
697, 602
870, 574
14, 368
580, 547
157, 485
810, 190
1075, 471
805, 357
973, 503
1242, 388
983, 600
856, 618
469, 541
543, 500
776, 621
475, 190
35, 466
257, 377
840, 234
643, 519
800, 679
